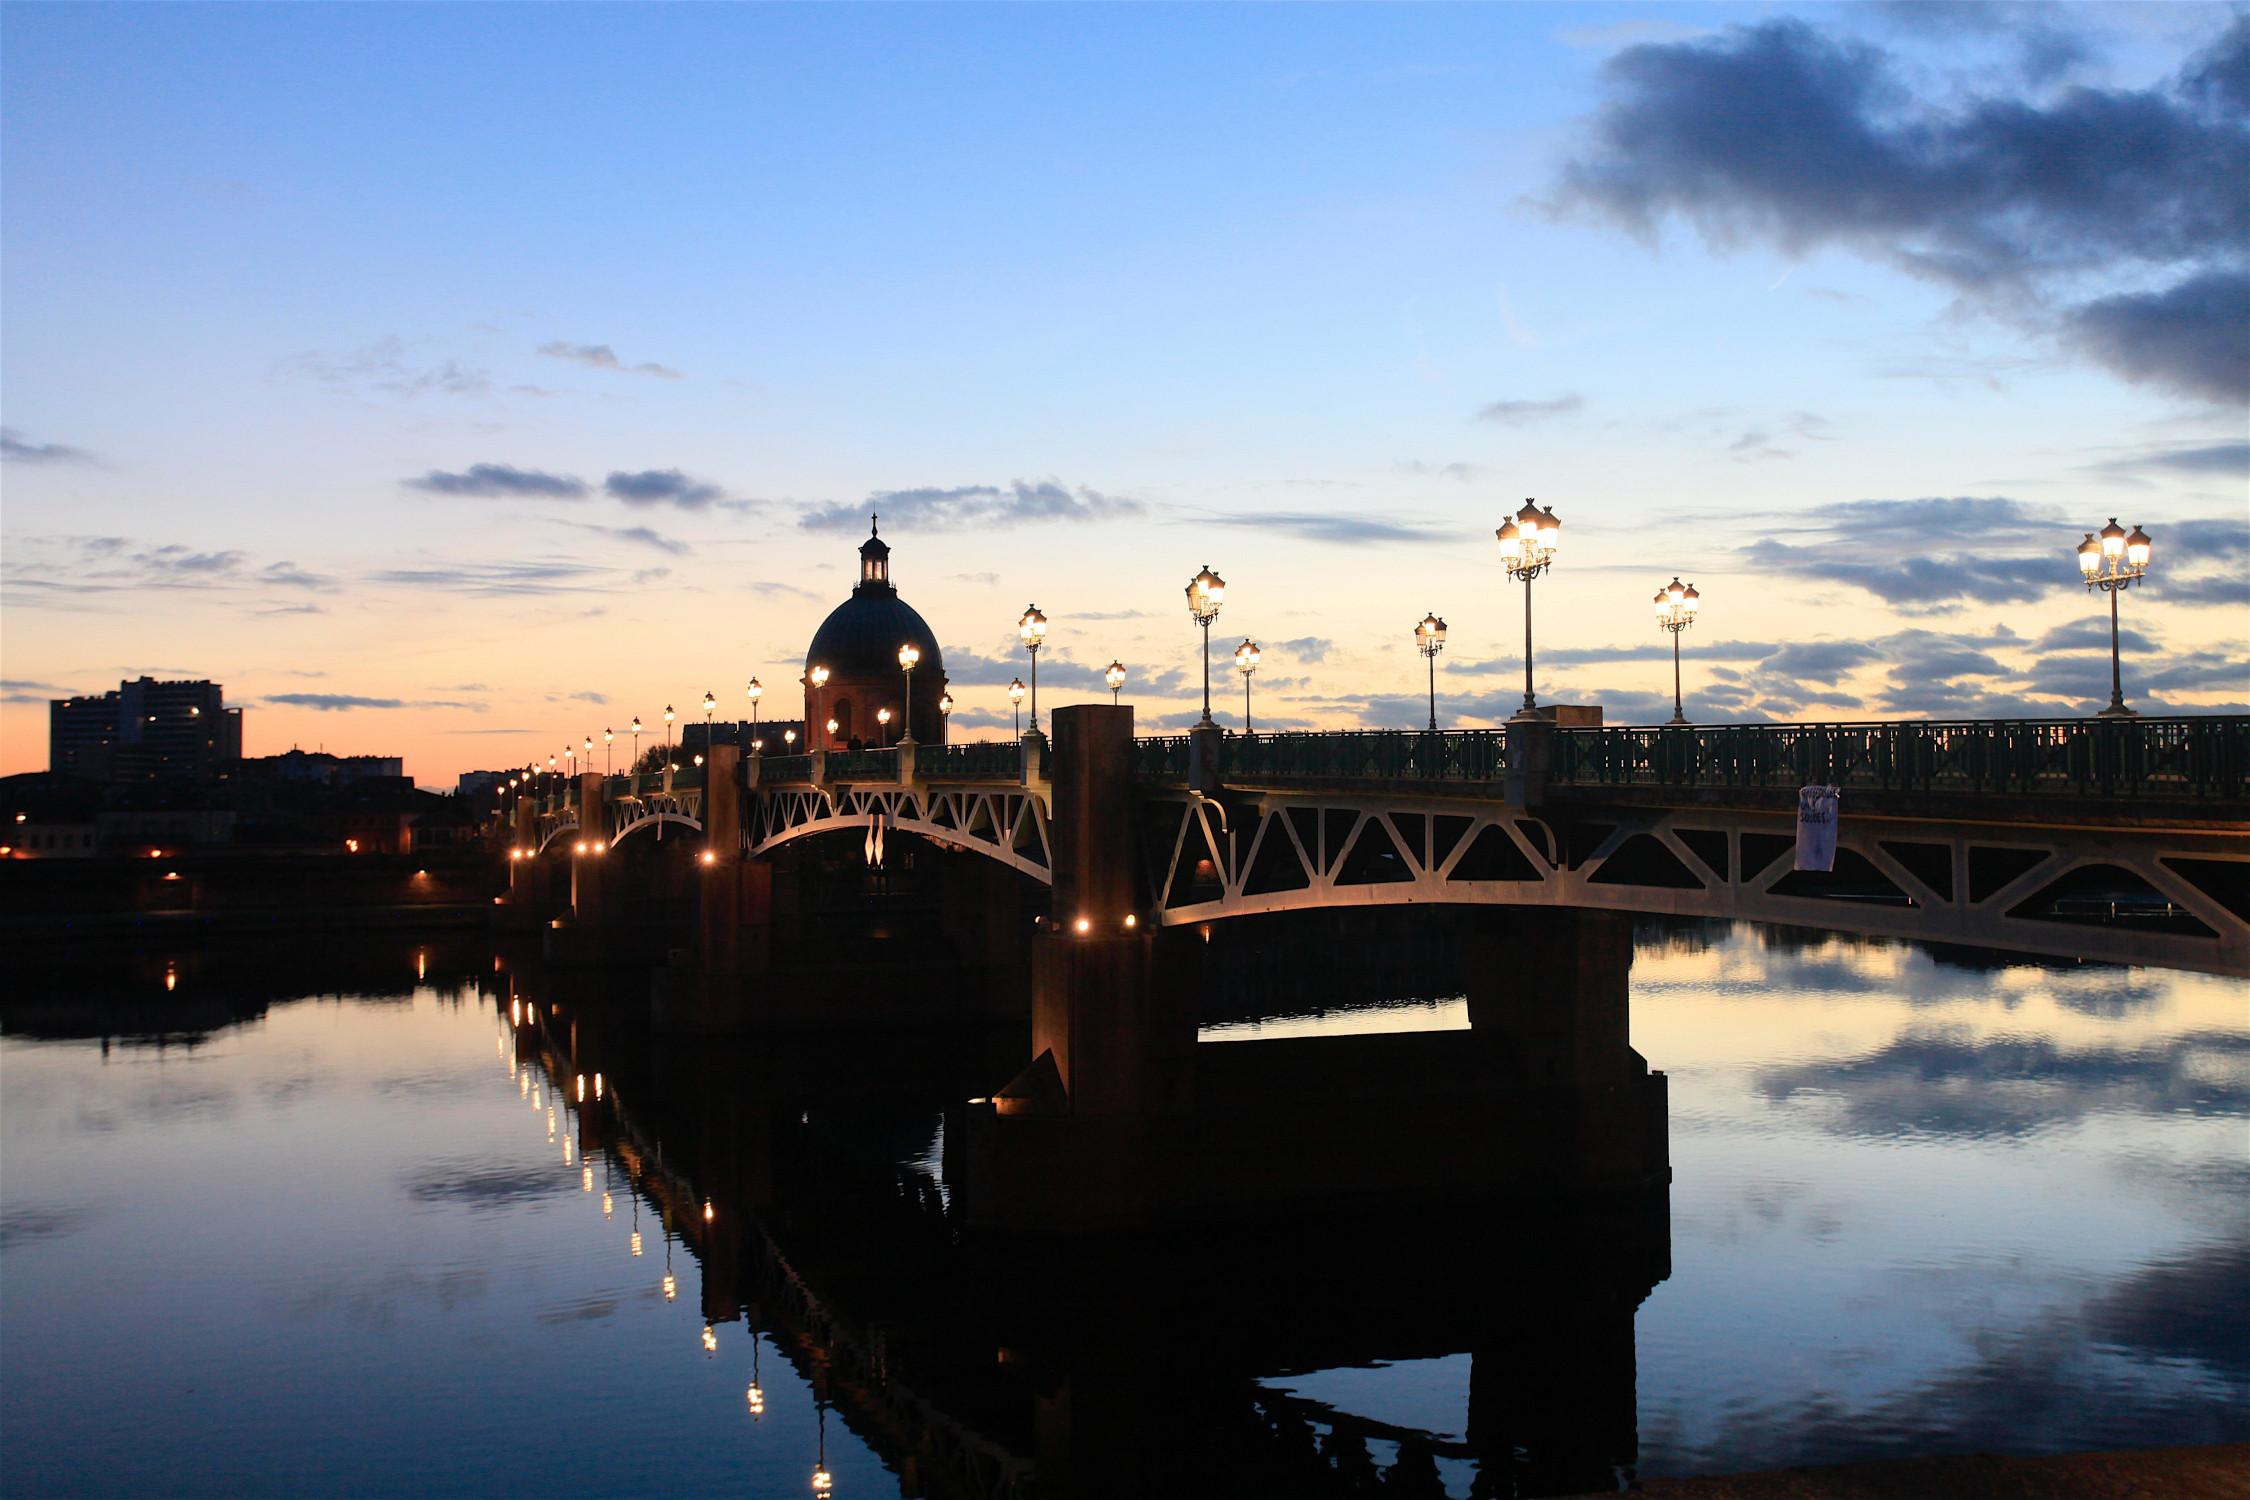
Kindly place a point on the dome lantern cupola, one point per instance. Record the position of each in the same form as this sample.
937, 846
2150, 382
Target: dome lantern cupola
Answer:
874, 560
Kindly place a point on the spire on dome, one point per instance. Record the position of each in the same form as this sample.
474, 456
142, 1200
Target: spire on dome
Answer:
874, 558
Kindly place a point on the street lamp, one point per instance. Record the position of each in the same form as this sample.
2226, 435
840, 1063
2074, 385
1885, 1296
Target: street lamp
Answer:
1527, 549
756, 690
944, 714
788, 740
1115, 677
570, 760
907, 657
636, 732
1675, 611
1429, 639
1015, 696
2113, 565
1033, 628
882, 729
589, 757
609, 738
1206, 591
1246, 662
818, 677
709, 703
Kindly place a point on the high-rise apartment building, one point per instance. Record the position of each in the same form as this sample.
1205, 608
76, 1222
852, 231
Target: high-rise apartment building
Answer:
145, 731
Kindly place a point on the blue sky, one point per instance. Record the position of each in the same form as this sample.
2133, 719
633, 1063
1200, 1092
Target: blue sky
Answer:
301, 302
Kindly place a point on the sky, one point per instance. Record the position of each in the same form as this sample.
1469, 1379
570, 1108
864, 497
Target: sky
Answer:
454, 382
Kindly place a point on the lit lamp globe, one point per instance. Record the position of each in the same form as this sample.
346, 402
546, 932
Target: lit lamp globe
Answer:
1114, 676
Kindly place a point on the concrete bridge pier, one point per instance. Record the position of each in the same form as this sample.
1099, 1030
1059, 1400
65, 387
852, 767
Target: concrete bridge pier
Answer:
533, 886
1550, 1001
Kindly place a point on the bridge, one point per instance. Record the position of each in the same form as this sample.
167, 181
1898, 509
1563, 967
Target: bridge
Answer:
2123, 841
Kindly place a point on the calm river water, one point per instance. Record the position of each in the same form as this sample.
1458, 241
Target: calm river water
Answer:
347, 1229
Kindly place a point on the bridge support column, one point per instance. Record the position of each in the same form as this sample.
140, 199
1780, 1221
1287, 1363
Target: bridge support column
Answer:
525, 906
736, 906
589, 906
1549, 992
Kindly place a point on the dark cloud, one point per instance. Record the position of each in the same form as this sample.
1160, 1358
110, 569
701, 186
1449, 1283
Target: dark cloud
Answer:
2229, 460
602, 357
1517, 413
1018, 503
289, 575
968, 668
339, 702
1782, 134
661, 487
1932, 555
14, 449
1306, 648
500, 482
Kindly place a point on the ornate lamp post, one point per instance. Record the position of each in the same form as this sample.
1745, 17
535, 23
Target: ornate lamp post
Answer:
788, 740
636, 732
570, 761
709, 703
2113, 565
1015, 697
1246, 662
907, 657
1429, 639
882, 729
944, 715
1033, 628
1675, 612
668, 717
818, 677
1206, 591
754, 692
1115, 677
588, 759
1527, 549
609, 738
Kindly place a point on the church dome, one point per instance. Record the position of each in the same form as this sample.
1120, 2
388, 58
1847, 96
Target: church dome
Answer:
858, 644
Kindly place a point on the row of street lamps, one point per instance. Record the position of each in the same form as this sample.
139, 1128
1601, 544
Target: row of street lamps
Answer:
2111, 560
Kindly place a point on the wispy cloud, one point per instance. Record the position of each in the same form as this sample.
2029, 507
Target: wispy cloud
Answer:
1020, 502
661, 487
603, 357
17, 449
340, 702
500, 482
1313, 526
1522, 412
640, 536
389, 367
501, 579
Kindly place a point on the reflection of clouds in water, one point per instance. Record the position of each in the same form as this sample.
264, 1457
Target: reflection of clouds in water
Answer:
379, 1301
1766, 1207
449, 1083
29, 1223
1717, 957
585, 1309
478, 1185
2159, 1356
1947, 1083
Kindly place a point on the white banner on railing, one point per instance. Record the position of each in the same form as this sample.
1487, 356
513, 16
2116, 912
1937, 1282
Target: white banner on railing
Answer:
1816, 827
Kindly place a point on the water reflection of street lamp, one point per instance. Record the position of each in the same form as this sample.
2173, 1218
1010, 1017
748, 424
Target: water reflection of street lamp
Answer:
1527, 549
757, 1392
1429, 639
2113, 565
1675, 611
1015, 697
1206, 591
1115, 677
1246, 662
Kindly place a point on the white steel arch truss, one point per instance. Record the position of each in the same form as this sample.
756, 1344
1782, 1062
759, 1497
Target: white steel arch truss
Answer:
1931, 880
1004, 822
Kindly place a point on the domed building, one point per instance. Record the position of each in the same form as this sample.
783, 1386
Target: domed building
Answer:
859, 643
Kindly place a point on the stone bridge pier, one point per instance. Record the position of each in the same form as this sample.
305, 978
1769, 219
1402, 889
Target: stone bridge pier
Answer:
535, 889
1125, 1121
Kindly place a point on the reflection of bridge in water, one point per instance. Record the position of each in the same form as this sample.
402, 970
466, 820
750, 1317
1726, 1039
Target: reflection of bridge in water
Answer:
993, 1368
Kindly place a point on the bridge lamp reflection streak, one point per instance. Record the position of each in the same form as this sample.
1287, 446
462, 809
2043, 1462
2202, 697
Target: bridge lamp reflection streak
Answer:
2114, 564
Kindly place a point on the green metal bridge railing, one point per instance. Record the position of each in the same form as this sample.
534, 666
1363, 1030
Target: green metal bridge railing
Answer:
2198, 757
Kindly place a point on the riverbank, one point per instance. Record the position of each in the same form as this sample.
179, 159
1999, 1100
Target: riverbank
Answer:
2218, 1472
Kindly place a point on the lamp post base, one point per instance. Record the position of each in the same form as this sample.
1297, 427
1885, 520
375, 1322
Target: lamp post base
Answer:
2118, 711
1678, 721
1528, 714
